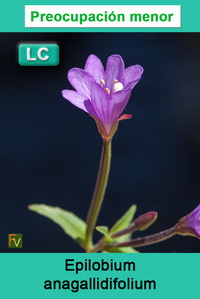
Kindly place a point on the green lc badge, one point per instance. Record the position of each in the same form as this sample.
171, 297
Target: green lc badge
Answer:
38, 54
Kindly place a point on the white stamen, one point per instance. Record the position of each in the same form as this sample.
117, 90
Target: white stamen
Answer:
107, 90
118, 86
115, 81
103, 82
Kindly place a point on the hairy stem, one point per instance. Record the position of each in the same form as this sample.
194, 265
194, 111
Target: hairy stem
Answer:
148, 240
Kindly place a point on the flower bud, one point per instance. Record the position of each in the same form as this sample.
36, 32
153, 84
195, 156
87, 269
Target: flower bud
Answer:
146, 220
190, 224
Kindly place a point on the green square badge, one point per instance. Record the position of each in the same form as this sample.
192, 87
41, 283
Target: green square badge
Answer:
15, 240
38, 54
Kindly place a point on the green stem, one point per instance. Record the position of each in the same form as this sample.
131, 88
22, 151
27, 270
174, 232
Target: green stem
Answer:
99, 192
148, 240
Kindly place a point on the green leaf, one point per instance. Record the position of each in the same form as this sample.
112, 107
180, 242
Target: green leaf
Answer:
127, 250
124, 222
121, 250
103, 230
70, 223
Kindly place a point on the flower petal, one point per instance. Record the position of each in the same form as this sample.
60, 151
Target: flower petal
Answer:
81, 81
114, 70
95, 68
132, 75
117, 103
75, 98
100, 102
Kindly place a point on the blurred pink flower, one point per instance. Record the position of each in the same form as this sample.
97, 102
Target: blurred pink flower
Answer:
190, 224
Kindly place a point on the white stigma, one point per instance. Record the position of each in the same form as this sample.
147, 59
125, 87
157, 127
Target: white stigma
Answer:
117, 86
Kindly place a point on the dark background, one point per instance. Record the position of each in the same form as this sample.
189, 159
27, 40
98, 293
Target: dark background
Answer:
49, 149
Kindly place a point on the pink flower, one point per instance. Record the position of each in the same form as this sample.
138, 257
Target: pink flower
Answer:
190, 224
103, 93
